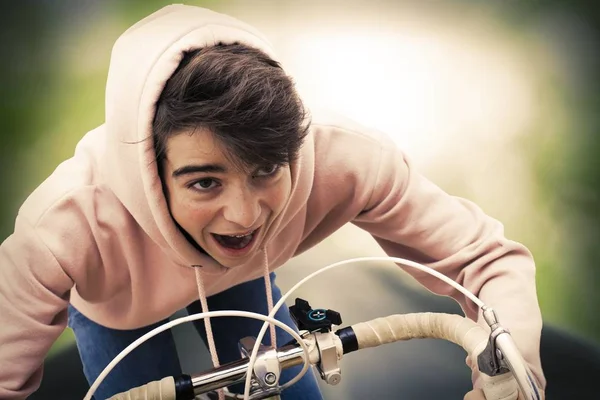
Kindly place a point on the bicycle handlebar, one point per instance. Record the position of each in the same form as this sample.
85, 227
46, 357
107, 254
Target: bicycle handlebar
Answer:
464, 332
472, 337
454, 328
157, 390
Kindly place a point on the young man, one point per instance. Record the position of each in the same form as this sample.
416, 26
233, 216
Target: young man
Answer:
206, 176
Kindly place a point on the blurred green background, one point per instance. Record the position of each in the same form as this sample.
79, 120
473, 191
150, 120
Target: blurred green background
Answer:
496, 101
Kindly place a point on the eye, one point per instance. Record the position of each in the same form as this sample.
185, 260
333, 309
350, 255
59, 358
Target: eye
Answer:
268, 170
204, 184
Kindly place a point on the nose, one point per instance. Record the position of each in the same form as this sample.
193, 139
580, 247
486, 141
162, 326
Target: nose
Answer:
242, 208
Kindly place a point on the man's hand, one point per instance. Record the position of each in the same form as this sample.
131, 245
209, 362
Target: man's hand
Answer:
477, 394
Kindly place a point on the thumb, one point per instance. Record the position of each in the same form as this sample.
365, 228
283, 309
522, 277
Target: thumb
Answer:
475, 394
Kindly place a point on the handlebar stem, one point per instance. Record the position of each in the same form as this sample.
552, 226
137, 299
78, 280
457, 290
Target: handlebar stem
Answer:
331, 351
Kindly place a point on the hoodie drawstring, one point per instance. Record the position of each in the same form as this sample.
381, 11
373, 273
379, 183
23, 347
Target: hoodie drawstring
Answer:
208, 326
269, 292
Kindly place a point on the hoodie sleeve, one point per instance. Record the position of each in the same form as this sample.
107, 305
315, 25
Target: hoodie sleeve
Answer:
34, 293
412, 218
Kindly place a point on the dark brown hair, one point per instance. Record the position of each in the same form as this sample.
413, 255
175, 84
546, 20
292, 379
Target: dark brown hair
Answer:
242, 96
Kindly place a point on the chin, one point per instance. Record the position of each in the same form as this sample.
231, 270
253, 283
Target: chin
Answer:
228, 263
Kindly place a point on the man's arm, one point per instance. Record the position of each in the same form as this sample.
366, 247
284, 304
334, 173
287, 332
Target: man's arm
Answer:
34, 292
412, 218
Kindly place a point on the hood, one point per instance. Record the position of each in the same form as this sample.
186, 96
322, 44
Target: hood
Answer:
142, 60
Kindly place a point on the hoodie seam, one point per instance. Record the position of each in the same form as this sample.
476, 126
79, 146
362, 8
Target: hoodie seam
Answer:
34, 223
377, 176
40, 240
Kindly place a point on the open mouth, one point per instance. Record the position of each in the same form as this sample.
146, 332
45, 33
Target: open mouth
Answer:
235, 242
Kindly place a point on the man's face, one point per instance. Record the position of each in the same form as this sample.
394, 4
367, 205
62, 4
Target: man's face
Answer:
224, 209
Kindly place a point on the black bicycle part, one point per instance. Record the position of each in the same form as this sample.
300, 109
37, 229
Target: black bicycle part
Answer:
348, 338
488, 361
184, 389
313, 320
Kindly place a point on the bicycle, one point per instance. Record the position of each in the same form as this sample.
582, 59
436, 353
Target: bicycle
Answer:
503, 371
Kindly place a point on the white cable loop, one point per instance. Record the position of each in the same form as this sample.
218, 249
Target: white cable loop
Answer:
397, 260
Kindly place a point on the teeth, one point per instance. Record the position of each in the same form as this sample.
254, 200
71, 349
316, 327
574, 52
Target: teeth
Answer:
235, 241
241, 235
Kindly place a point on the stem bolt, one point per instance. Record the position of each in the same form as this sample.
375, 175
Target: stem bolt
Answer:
270, 378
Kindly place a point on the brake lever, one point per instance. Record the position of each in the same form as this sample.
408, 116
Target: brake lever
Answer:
502, 355
509, 354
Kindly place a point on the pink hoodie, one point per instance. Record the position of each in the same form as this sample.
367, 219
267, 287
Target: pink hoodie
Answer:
98, 232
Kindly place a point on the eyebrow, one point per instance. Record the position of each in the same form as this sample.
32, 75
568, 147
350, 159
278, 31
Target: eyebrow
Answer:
192, 169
